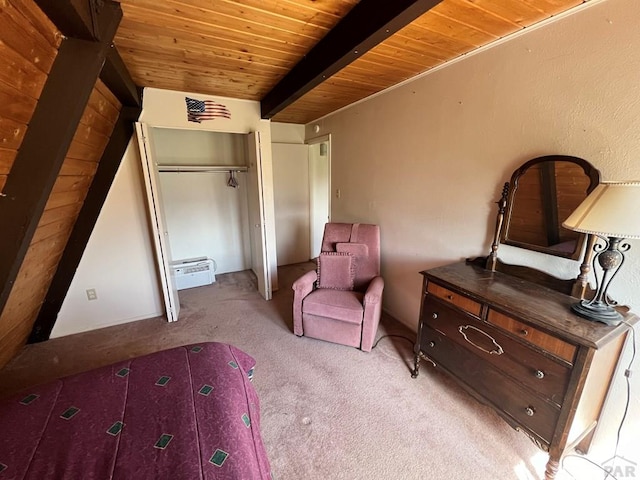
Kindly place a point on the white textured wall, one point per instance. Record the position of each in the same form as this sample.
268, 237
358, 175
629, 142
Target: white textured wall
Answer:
427, 160
179, 146
207, 218
204, 216
118, 261
287, 133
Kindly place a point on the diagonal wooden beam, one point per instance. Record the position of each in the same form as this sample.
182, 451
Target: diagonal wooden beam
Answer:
78, 18
46, 142
102, 181
365, 26
118, 79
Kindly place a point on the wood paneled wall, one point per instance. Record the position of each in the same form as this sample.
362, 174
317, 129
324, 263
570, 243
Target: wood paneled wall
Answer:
30, 42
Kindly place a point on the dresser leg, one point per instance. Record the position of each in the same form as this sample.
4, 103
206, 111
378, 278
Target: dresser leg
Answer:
416, 366
552, 469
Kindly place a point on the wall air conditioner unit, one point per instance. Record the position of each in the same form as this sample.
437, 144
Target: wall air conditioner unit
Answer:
194, 272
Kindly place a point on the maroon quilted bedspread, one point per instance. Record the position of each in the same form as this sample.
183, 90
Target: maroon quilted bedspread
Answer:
186, 413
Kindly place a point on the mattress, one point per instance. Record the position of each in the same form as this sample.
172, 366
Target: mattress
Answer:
186, 413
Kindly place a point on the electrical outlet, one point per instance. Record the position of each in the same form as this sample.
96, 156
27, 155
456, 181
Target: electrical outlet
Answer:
338, 193
91, 294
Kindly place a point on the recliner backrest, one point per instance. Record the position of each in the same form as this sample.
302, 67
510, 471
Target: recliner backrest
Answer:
367, 259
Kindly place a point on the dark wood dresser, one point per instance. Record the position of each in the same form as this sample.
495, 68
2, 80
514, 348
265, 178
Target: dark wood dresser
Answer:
515, 346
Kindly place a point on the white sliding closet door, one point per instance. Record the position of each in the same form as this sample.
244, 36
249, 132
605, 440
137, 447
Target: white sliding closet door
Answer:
259, 252
158, 223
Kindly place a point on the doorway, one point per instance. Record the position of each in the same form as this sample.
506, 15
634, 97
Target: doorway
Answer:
301, 176
319, 190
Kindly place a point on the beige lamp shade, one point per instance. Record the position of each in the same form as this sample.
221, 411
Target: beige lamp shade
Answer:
612, 209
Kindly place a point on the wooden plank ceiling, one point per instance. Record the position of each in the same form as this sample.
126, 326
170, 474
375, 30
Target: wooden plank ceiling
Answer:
243, 48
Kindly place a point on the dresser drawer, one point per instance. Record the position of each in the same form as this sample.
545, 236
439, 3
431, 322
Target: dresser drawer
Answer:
520, 406
525, 365
546, 341
460, 301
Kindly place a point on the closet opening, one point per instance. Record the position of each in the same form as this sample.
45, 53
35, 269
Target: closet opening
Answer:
203, 191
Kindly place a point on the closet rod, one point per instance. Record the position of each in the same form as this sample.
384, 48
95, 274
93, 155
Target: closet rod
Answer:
202, 168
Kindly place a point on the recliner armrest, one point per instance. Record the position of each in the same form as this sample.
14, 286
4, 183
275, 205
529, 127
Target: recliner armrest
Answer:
374, 291
304, 285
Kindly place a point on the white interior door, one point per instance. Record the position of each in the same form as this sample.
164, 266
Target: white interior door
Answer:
158, 224
291, 201
319, 190
259, 256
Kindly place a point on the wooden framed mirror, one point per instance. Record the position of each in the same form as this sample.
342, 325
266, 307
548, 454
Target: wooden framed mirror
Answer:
543, 192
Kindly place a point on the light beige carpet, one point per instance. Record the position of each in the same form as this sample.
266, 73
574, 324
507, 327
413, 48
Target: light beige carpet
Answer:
328, 411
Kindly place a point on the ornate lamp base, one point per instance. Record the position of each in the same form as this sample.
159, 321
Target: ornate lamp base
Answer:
600, 308
597, 312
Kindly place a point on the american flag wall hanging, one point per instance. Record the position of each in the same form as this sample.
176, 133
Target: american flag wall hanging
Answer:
198, 110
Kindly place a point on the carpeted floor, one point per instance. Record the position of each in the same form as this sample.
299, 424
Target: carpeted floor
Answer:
328, 411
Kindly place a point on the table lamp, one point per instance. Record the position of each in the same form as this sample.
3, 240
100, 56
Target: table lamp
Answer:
611, 212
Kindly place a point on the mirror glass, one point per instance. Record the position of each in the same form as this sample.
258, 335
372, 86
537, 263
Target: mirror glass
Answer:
542, 194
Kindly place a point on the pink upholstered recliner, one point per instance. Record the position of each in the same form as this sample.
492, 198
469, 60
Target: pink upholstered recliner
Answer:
342, 301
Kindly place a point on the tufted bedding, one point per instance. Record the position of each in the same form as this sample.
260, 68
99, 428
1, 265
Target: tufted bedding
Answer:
186, 413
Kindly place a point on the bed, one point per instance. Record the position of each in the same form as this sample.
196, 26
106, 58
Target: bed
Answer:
190, 412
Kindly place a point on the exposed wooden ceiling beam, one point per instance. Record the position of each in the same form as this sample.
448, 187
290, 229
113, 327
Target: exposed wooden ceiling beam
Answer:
366, 25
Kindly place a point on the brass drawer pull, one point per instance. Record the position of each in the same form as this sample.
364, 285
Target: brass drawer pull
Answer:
539, 374
497, 351
434, 315
530, 411
524, 332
